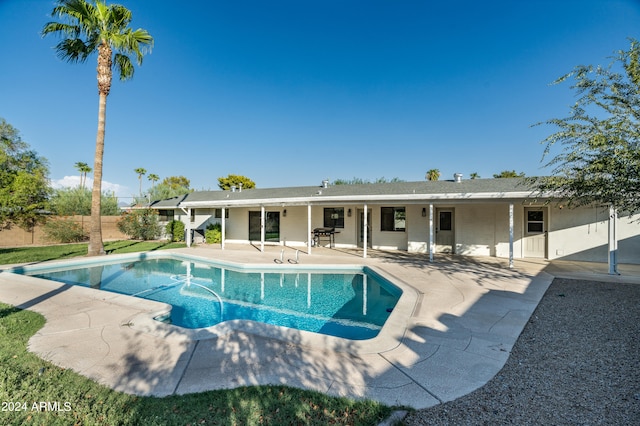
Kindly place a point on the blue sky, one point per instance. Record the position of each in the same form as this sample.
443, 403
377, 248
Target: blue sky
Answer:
292, 92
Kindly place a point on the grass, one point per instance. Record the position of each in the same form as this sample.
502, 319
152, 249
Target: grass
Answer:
34, 391
28, 383
66, 251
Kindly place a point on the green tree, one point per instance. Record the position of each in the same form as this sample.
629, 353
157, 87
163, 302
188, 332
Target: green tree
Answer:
508, 174
83, 168
24, 187
356, 181
77, 201
177, 182
170, 187
140, 172
433, 174
474, 175
161, 191
94, 27
600, 159
225, 183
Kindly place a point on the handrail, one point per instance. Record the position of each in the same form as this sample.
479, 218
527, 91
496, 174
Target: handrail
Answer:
212, 292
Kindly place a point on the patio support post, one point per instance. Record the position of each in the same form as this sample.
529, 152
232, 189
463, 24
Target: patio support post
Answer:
431, 246
364, 232
309, 228
613, 241
189, 227
223, 229
510, 235
262, 228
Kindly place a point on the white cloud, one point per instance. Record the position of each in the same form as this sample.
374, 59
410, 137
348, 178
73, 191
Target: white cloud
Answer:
74, 181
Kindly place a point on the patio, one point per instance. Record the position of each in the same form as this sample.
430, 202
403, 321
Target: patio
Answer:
468, 315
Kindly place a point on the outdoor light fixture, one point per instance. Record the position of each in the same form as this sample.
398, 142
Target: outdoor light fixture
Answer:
349, 212
284, 213
424, 212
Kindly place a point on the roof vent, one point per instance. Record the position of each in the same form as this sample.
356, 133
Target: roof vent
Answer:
239, 186
233, 188
457, 177
325, 183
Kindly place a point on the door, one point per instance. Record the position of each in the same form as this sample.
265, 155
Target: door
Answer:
271, 228
444, 230
535, 232
361, 228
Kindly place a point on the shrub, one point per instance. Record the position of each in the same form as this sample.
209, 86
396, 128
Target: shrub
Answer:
64, 231
175, 229
141, 224
213, 233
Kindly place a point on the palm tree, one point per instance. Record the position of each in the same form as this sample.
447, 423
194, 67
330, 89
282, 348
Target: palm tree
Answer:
433, 174
83, 168
141, 172
153, 178
88, 27
474, 175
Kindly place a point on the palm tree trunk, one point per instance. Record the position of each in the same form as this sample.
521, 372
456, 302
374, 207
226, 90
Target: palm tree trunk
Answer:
96, 247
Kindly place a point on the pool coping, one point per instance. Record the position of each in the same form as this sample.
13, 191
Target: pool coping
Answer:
389, 337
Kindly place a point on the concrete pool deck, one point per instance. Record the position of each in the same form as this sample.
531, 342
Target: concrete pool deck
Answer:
466, 319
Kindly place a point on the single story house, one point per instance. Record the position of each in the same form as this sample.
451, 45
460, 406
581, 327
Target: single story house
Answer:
489, 217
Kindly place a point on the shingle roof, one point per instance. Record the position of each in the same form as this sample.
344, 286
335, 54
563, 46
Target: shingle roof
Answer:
502, 188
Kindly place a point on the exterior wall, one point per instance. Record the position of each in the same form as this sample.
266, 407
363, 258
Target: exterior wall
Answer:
417, 229
387, 240
483, 230
583, 234
237, 225
480, 229
18, 237
293, 227
475, 230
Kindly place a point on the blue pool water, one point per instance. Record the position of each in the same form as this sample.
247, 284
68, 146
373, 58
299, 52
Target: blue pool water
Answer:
352, 304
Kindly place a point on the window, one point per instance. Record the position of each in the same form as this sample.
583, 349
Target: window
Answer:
334, 217
165, 215
392, 219
445, 220
193, 215
218, 213
535, 221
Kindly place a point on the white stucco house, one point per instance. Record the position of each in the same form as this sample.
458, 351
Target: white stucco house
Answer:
489, 217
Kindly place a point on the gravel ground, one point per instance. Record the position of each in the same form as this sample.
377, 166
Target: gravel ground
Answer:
575, 363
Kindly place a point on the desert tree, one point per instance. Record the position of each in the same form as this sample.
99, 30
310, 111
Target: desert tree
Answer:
599, 162
508, 174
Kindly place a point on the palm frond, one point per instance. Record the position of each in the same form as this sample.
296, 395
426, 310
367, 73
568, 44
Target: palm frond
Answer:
73, 50
123, 66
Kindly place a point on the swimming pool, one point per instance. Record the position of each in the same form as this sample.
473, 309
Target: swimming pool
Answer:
351, 303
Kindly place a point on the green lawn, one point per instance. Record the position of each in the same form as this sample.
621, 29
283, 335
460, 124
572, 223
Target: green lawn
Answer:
33, 391
66, 251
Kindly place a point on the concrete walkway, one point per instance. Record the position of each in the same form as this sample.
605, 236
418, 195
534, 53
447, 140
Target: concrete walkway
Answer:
464, 319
